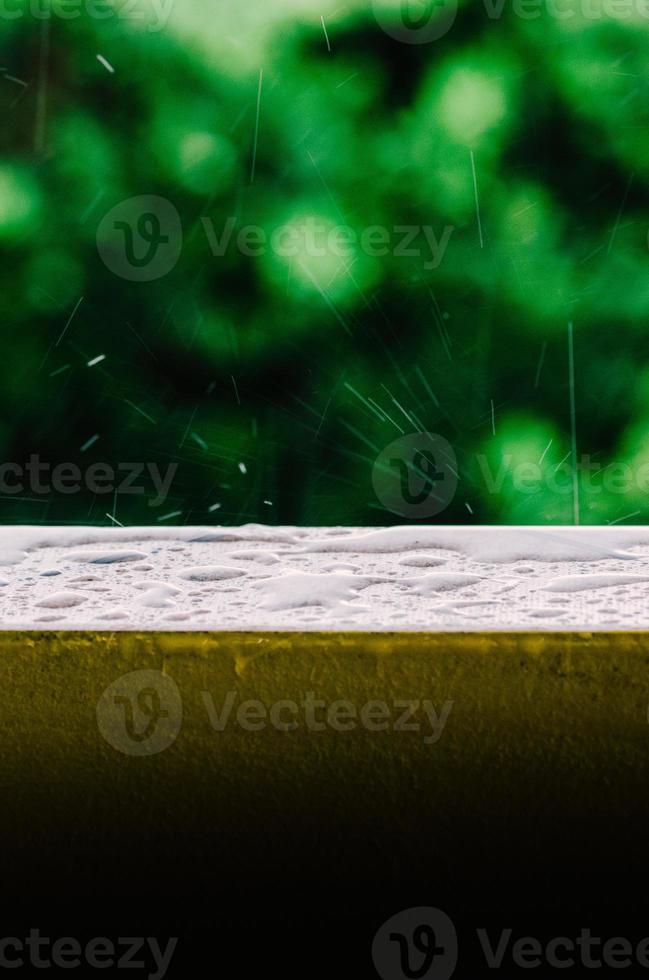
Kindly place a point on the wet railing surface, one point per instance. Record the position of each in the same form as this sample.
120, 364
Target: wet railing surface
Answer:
310, 579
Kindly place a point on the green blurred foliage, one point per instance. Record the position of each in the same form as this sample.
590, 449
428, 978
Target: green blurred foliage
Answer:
526, 138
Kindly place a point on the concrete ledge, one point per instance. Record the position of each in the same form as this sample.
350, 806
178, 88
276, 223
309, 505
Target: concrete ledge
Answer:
271, 765
535, 794
249, 709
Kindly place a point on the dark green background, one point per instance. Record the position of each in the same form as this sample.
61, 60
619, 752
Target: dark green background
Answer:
245, 359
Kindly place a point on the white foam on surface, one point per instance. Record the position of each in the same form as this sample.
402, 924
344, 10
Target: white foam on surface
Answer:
264, 578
